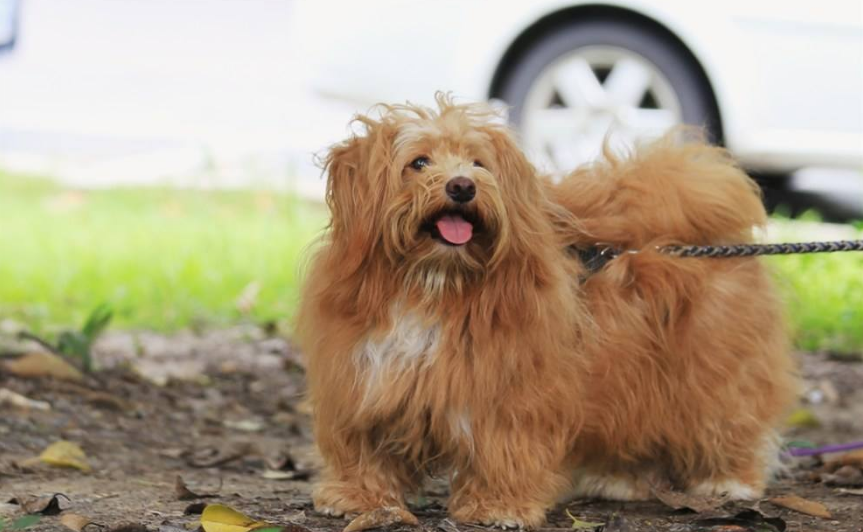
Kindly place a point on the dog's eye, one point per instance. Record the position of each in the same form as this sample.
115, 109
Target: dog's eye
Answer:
478, 164
420, 162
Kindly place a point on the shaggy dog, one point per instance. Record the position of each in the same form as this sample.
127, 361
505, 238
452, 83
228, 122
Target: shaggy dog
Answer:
450, 327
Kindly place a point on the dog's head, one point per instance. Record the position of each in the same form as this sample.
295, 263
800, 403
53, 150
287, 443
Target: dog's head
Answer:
441, 190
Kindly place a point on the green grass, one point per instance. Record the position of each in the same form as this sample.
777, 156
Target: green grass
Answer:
167, 259
164, 259
824, 297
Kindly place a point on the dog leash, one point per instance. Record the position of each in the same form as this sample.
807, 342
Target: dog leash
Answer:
597, 256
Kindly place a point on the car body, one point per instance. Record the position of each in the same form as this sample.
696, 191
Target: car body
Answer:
786, 78
8, 23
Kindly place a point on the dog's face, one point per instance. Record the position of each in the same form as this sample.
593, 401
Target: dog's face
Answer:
430, 190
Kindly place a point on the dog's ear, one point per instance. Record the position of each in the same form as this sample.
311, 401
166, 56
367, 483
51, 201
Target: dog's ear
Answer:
525, 200
516, 172
357, 170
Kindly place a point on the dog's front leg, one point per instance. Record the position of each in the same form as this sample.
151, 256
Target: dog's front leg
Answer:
511, 479
358, 477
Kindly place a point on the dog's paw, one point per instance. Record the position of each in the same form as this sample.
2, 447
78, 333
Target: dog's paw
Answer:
329, 511
341, 499
504, 518
506, 524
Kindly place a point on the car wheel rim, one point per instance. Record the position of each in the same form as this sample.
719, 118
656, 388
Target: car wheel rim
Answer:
590, 94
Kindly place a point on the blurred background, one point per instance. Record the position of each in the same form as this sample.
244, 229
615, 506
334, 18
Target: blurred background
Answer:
157, 155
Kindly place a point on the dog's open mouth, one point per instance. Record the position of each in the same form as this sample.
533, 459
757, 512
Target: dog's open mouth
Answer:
455, 228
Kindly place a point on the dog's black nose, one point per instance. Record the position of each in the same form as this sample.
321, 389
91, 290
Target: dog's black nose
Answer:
460, 189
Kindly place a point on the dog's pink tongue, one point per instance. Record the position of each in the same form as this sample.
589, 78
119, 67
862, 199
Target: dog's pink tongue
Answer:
454, 229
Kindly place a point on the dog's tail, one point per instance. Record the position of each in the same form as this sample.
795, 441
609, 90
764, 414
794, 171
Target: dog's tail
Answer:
667, 192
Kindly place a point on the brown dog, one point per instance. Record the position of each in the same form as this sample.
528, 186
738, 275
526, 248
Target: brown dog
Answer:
449, 328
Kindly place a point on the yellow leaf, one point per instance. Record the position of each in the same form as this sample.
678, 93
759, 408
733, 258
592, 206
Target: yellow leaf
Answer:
803, 418
220, 518
578, 524
65, 454
43, 364
804, 506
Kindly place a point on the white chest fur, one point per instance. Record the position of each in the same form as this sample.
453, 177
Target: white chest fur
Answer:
410, 344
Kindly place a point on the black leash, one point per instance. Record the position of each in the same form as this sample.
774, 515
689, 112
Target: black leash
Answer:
597, 256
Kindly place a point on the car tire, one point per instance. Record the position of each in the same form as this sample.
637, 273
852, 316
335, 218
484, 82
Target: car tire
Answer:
697, 105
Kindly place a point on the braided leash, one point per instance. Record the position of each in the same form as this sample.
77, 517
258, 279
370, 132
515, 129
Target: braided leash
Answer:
596, 257
751, 250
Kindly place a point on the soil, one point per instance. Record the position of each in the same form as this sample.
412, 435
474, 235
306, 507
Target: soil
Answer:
222, 408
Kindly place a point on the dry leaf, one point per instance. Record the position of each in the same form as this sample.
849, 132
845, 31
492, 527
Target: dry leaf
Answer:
49, 505
8, 397
65, 454
282, 462
213, 457
74, 521
844, 476
677, 500
278, 475
43, 364
244, 425
286, 475
382, 517
845, 491
220, 518
185, 494
9, 509
804, 506
854, 458
173, 453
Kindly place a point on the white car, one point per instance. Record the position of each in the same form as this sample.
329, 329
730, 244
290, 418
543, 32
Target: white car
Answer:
780, 83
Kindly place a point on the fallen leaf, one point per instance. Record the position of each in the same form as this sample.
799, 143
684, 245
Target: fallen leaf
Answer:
43, 364
804, 506
185, 494
212, 457
8, 510
854, 458
382, 517
286, 475
220, 518
677, 500
803, 418
75, 522
282, 462
447, 525
244, 425
277, 475
65, 454
49, 505
173, 453
845, 491
844, 476
745, 521
8, 397
578, 524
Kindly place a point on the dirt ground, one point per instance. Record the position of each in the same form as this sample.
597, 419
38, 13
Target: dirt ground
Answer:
222, 410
